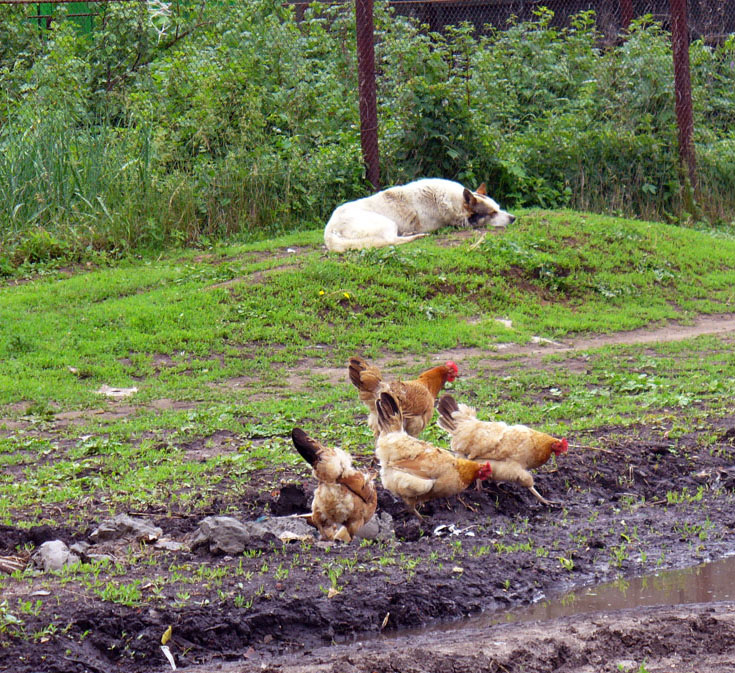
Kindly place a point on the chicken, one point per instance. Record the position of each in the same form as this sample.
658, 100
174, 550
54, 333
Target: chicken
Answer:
345, 498
415, 398
414, 470
511, 449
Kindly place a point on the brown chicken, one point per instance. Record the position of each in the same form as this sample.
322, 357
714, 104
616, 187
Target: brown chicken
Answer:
415, 470
415, 398
345, 498
511, 449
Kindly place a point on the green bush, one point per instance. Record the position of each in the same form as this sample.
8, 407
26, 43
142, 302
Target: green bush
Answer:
172, 124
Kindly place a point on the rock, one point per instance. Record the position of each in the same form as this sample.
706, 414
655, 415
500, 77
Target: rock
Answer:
380, 527
53, 555
226, 535
109, 391
126, 526
288, 528
80, 549
168, 544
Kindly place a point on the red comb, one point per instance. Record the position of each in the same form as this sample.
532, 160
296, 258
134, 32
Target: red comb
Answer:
564, 445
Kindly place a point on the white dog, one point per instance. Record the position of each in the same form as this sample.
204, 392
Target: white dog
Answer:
402, 214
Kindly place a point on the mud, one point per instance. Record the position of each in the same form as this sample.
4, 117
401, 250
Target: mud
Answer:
646, 503
617, 520
665, 640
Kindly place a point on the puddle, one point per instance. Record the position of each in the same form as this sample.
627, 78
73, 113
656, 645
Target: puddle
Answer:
706, 583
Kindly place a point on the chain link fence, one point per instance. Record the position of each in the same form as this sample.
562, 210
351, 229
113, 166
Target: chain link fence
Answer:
709, 20
706, 20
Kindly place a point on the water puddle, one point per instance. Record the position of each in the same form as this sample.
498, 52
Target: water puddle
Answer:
706, 583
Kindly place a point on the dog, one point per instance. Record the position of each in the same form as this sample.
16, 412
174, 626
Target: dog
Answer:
404, 213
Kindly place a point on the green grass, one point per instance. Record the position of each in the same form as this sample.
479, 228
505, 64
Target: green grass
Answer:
554, 274
247, 339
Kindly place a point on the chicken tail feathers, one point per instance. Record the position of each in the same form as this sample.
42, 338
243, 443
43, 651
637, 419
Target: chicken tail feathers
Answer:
309, 449
447, 406
390, 418
366, 378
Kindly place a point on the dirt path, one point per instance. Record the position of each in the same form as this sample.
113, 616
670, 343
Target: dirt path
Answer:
497, 359
668, 639
702, 326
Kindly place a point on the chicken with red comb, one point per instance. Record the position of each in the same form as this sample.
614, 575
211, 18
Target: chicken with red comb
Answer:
415, 397
511, 449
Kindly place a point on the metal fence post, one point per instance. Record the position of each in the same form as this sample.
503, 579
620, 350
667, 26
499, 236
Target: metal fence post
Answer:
683, 87
366, 86
626, 14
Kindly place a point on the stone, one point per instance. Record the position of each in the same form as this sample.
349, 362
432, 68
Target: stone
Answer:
227, 535
288, 528
123, 526
53, 555
168, 545
380, 527
80, 549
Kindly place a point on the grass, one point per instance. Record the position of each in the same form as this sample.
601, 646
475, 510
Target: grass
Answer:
250, 340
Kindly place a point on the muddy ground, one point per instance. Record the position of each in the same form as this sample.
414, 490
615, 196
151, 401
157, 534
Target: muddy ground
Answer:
669, 640
643, 503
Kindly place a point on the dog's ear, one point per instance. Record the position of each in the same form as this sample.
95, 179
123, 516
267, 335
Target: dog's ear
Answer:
482, 189
469, 198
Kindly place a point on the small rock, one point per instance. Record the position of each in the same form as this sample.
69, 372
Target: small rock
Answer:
80, 549
109, 391
380, 527
728, 478
100, 558
288, 528
227, 535
53, 555
542, 340
168, 545
126, 526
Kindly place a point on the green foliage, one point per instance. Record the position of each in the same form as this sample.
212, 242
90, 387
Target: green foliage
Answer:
186, 122
231, 348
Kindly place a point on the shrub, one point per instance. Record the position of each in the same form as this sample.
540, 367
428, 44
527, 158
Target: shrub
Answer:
171, 123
